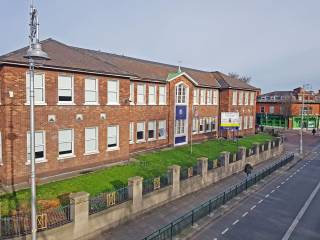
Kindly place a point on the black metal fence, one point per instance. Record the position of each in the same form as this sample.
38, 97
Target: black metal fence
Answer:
186, 173
20, 225
150, 185
187, 220
266, 146
211, 164
108, 199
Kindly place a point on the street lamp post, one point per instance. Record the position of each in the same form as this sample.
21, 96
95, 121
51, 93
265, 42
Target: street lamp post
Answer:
34, 55
302, 116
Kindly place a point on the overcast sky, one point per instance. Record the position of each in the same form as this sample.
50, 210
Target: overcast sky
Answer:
275, 42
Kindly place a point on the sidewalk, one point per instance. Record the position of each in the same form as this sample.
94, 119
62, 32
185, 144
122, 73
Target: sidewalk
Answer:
149, 222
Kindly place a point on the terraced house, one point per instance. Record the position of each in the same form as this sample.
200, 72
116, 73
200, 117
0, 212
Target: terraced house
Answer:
283, 109
95, 108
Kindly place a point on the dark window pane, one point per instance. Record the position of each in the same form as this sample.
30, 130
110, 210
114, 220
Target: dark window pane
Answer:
65, 152
112, 145
140, 135
151, 134
39, 154
65, 98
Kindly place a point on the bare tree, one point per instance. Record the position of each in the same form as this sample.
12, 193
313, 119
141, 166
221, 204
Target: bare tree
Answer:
285, 107
245, 79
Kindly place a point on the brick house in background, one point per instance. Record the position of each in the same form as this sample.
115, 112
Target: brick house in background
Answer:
283, 109
94, 108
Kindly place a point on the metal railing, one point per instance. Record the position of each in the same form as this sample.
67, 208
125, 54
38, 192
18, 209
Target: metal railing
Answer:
187, 220
150, 185
107, 200
20, 224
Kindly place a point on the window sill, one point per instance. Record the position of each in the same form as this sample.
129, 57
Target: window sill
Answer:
162, 104
37, 161
152, 104
91, 153
141, 141
141, 104
66, 157
113, 149
131, 142
66, 104
113, 104
37, 104
152, 139
162, 138
91, 104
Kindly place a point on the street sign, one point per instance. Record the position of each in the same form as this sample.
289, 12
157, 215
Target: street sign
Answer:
230, 120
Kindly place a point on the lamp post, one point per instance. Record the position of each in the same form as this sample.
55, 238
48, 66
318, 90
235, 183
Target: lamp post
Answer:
34, 55
302, 115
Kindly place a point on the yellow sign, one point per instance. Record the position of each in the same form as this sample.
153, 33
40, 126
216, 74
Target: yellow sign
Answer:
42, 221
190, 171
111, 199
156, 183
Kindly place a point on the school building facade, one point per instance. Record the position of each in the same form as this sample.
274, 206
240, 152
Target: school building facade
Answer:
94, 109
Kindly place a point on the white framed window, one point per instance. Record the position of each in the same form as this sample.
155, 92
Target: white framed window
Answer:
180, 127
196, 96
1, 160
203, 97
209, 96
271, 109
162, 129
240, 126
152, 95
113, 137
162, 95
91, 94
181, 92
207, 124
246, 98
215, 97
151, 130
214, 124
234, 97
131, 93
40, 147
195, 125
39, 88
240, 97
91, 140
252, 97
201, 125
245, 122
113, 92
251, 122
65, 89
140, 132
141, 94
66, 143
131, 132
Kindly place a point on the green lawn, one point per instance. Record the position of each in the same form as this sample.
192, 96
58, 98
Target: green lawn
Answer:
148, 165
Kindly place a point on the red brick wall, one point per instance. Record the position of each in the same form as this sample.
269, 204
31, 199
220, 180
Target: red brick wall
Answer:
14, 123
295, 108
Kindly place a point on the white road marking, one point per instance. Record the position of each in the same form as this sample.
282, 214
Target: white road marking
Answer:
278, 186
301, 213
260, 201
298, 170
253, 207
235, 222
215, 239
287, 179
283, 183
267, 195
273, 191
245, 214
224, 231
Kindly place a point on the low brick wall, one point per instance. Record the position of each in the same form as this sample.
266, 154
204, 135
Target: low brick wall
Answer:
85, 225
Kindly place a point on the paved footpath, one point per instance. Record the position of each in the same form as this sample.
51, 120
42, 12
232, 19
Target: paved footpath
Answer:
147, 223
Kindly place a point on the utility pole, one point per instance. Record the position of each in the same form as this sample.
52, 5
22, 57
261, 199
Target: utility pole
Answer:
302, 118
34, 55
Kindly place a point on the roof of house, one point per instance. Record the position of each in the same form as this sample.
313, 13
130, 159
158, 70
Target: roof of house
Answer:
73, 58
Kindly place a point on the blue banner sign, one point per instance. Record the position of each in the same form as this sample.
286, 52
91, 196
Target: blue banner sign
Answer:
181, 112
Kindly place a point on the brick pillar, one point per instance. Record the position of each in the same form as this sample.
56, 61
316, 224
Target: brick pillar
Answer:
174, 179
280, 146
203, 168
256, 146
225, 158
135, 192
80, 212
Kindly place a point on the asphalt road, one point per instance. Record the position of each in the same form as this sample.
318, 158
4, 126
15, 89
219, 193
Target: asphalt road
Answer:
288, 207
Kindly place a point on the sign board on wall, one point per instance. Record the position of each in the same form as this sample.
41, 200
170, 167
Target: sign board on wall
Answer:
230, 120
181, 112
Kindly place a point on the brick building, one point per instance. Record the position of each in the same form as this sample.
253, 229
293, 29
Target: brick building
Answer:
283, 109
94, 108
